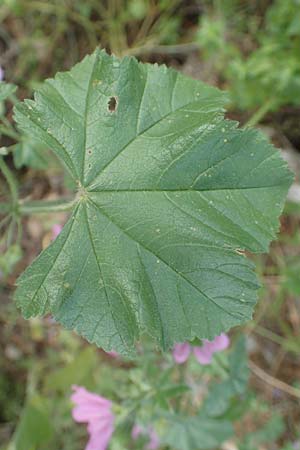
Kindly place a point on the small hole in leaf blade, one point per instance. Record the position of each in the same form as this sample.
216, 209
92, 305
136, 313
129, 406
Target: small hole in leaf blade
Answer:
112, 104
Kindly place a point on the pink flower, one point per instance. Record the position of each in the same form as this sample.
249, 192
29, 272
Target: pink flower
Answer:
96, 412
138, 430
55, 230
181, 352
1, 74
154, 440
204, 353
113, 354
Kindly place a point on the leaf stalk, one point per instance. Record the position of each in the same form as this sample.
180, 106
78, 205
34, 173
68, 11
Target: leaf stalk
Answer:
38, 207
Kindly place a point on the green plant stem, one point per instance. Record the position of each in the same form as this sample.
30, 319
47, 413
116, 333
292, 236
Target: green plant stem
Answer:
37, 207
4, 221
19, 230
10, 233
9, 132
260, 113
11, 181
127, 412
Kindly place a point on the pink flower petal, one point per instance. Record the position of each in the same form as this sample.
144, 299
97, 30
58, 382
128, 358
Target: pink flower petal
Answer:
56, 229
95, 424
154, 440
220, 342
100, 436
203, 354
96, 412
136, 431
102, 429
181, 352
81, 396
113, 354
89, 413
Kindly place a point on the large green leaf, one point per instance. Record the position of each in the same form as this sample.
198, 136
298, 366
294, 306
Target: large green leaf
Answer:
170, 195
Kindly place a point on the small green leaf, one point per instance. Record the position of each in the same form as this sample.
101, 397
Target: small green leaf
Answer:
195, 433
30, 153
76, 372
170, 196
34, 429
173, 391
6, 90
270, 432
10, 258
238, 367
291, 281
226, 394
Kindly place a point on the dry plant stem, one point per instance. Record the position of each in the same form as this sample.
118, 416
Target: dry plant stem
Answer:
274, 382
278, 361
56, 9
188, 47
268, 334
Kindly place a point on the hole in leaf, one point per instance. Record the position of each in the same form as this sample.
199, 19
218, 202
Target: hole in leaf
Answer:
112, 104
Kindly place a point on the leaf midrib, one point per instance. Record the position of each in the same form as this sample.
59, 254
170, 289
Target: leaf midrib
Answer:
162, 190
102, 278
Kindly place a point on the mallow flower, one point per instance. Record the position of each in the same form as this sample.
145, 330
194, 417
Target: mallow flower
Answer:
149, 432
96, 411
113, 354
203, 353
55, 230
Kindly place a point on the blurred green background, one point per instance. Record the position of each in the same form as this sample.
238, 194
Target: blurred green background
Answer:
250, 48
